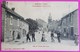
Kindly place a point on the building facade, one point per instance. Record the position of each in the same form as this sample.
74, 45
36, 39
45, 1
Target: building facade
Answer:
13, 25
69, 24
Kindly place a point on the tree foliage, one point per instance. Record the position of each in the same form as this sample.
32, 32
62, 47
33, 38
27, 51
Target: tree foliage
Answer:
33, 25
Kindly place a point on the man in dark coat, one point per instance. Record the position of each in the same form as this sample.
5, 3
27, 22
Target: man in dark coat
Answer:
28, 37
52, 36
58, 37
33, 37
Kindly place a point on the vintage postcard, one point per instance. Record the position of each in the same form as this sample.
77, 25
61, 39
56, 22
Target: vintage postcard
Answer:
39, 26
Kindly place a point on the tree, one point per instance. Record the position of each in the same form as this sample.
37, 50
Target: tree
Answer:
33, 25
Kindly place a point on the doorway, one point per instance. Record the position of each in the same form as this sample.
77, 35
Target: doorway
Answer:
18, 36
72, 31
13, 34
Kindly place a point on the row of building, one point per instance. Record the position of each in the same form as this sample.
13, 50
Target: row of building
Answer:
68, 25
13, 25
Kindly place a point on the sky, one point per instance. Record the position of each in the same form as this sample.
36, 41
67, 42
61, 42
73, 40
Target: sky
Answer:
41, 10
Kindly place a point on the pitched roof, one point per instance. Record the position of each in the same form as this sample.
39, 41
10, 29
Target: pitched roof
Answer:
69, 13
13, 12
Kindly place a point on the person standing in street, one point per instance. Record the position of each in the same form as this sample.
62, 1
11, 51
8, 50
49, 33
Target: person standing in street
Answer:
33, 37
52, 36
28, 37
76, 39
58, 36
43, 37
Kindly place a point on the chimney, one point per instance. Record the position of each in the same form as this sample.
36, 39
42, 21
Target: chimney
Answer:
13, 9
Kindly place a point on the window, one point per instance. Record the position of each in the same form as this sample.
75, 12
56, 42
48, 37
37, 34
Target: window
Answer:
24, 32
10, 32
11, 18
70, 17
64, 29
18, 22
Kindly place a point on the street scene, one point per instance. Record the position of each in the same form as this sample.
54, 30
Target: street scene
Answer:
40, 26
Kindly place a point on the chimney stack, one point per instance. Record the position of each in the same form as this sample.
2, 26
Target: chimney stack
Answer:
13, 9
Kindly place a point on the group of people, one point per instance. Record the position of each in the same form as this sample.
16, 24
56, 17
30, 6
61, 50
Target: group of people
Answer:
43, 38
52, 37
30, 37
33, 37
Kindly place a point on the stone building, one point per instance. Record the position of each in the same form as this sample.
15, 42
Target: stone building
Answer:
13, 25
69, 24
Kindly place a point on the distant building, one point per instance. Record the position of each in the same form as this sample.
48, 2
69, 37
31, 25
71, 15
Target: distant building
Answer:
69, 24
52, 24
42, 25
13, 25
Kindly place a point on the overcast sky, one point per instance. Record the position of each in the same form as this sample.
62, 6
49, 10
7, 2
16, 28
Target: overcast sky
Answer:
41, 10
